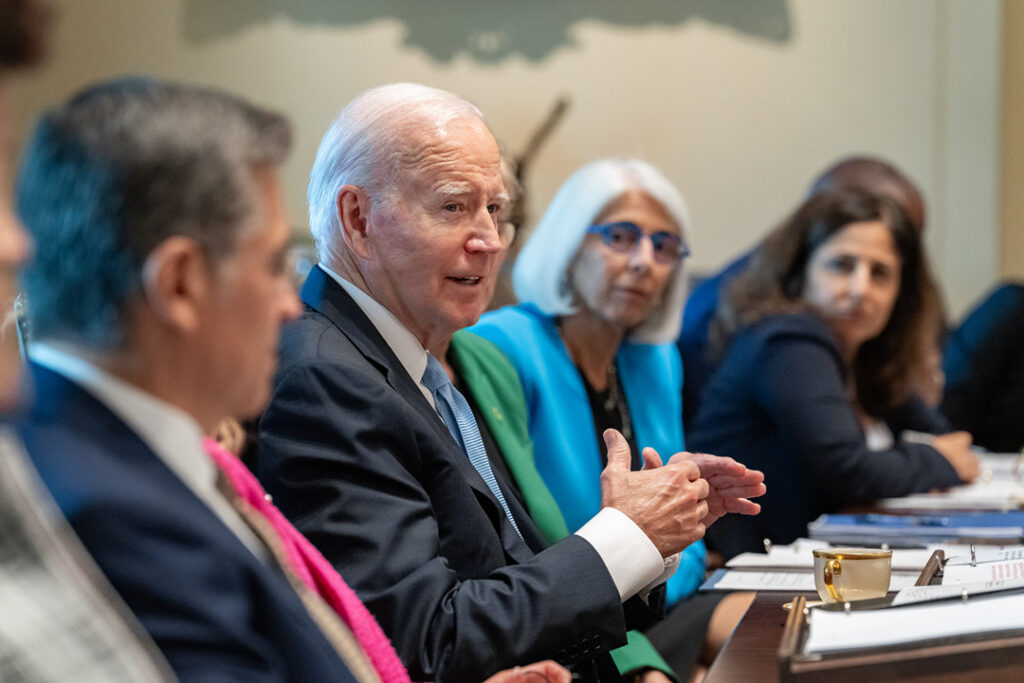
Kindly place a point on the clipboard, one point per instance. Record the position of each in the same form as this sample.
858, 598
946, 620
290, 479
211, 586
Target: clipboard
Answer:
963, 658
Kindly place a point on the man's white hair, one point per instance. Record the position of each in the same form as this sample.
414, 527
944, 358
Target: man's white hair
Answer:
541, 272
367, 145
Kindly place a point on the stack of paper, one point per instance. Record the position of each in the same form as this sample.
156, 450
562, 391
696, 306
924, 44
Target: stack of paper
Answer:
1002, 564
982, 593
799, 556
790, 568
791, 581
1001, 487
993, 613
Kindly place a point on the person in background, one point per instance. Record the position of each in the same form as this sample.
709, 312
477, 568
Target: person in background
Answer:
480, 370
983, 361
866, 173
600, 283
373, 454
816, 384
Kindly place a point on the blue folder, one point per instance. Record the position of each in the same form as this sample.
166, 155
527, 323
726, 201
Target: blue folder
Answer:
919, 530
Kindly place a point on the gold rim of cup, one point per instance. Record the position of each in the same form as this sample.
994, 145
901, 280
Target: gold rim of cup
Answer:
852, 553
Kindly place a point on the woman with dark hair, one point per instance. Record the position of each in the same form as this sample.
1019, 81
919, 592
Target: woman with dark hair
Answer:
821, 336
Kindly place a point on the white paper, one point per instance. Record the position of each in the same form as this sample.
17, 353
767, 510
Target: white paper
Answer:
790, 581
961, 554
911, 559
799, 555
1000, 487
997, 465
795, 581
1006, 570
796, 555
927, 593
837, 631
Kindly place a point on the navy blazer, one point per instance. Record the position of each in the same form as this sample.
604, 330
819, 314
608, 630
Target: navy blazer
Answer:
984, 364
778, 404
701, 306
363, 465
215, 611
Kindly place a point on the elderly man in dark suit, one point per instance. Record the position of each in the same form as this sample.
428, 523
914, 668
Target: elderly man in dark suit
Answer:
379, 461
156, 296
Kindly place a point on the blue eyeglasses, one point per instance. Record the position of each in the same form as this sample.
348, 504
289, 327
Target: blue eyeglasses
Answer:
624, 237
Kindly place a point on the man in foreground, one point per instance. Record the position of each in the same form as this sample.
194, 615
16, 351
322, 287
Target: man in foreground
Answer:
156, 295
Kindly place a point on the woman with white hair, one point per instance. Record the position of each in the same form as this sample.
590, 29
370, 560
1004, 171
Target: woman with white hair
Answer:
601, 291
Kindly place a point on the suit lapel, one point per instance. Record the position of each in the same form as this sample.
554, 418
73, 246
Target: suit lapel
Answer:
321, 293
324, 295
60, 400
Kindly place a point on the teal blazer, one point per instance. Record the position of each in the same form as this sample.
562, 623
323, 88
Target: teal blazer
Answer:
562, 427
494, 386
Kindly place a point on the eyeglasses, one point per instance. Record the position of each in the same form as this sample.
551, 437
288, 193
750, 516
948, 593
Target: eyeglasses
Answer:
624, 237
506, 233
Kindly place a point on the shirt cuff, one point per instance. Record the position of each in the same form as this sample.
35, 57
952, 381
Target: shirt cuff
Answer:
632, 560
671, 565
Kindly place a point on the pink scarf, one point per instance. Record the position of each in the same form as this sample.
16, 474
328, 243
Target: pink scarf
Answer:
311, 567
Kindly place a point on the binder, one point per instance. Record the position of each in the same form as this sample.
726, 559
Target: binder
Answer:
872, 529
959, 658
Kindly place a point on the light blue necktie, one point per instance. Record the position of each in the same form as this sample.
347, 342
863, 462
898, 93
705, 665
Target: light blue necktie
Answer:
458, 417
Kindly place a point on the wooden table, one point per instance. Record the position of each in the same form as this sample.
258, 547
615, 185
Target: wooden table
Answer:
750, 654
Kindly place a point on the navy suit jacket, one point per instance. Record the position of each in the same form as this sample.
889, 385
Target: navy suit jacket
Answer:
778, 404
215, 610
700, 310
984, 364
362, 464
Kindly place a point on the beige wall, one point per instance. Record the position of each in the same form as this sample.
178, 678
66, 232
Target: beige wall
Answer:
740, 102
1012, 252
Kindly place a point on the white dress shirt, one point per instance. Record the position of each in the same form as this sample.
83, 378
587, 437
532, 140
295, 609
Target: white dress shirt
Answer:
633, 561
171, 433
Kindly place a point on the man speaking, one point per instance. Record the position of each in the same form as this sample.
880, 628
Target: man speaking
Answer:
375, 456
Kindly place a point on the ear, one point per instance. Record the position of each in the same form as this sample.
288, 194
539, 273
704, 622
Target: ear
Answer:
354, 215
176, 281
